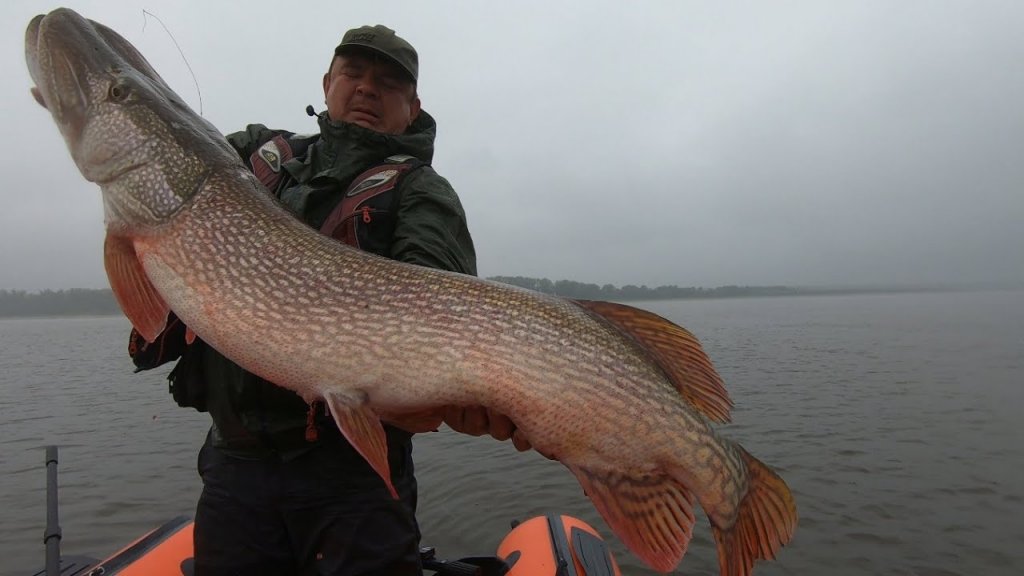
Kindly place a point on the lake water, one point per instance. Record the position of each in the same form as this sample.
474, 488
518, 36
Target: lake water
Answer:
895, 419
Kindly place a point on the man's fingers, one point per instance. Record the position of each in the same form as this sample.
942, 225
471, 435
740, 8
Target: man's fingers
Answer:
472, 421
520, 442
453, 416
501, 427
477, 421
416, 422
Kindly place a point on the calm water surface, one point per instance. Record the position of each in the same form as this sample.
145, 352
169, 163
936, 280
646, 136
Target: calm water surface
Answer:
895, 419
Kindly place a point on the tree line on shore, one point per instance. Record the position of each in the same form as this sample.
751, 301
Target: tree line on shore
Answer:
584, 291
73, 302
87, 302
97, 302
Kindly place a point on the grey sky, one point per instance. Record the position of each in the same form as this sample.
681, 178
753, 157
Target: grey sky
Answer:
690, 143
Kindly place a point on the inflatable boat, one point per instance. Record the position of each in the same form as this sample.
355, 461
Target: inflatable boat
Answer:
552, 545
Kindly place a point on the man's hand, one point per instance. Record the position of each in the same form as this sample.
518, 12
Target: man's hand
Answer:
478, 420
168, 346
416, 422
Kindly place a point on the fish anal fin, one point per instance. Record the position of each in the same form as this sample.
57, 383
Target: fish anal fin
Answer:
135, 294
190, 336
651, 514
765, 522
675, 350
363, 430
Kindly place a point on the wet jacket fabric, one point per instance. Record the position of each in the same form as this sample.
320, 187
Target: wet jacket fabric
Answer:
427, 226
430, 224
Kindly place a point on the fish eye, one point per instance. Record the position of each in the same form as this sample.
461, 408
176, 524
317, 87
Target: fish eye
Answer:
118, 92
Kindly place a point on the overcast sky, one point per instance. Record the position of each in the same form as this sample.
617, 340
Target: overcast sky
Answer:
690, 143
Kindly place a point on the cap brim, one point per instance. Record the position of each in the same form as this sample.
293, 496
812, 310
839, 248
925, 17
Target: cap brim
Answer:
358, 46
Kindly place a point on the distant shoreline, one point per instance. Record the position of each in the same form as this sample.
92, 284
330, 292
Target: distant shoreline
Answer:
83, 302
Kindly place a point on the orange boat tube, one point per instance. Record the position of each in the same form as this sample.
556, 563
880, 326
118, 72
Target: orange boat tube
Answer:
166, 551
556, 545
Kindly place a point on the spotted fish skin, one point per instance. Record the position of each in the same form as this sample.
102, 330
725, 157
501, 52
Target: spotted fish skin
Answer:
620, 396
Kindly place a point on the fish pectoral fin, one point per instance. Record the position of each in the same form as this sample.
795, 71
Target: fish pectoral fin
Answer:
135, 294
764, 523
675, 350
363, 430
651, 514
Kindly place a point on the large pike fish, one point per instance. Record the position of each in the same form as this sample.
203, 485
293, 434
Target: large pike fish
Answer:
620, 396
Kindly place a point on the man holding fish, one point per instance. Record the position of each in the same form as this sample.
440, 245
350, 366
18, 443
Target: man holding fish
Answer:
284, 491
191, 229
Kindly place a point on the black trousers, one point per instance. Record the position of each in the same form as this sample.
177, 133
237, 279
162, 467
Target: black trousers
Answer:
325, 512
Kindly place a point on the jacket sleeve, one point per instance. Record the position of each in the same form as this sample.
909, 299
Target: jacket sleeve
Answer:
431, 229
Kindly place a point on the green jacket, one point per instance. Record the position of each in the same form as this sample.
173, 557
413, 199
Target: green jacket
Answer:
252, 417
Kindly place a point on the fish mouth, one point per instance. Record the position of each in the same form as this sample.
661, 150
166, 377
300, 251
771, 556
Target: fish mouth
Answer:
68, 56
32, 58
60, 72
75, 65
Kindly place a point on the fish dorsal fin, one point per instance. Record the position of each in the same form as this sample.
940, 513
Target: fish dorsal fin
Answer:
363, 430
675, 350
651, 514
135, 294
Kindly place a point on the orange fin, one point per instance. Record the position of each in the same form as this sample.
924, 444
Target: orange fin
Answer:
675, 350
190, 336
135, 294
652, 515
765, 521
362, 427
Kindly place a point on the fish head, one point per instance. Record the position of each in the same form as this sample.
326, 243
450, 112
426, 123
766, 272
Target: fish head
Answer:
125, 128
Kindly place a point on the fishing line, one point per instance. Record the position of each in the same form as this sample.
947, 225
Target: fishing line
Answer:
187, 65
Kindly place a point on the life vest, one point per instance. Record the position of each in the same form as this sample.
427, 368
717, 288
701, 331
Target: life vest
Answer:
366, 214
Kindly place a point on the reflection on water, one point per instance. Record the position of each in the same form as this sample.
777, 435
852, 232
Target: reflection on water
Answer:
894, 419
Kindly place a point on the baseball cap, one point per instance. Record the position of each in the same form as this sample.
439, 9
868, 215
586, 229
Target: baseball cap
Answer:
382, 40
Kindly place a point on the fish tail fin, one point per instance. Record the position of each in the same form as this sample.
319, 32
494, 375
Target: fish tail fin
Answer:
652, 514
765, 521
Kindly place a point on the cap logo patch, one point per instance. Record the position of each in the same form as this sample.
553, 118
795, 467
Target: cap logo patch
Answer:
363, 37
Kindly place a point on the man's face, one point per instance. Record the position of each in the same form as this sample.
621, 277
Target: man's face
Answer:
374, 93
